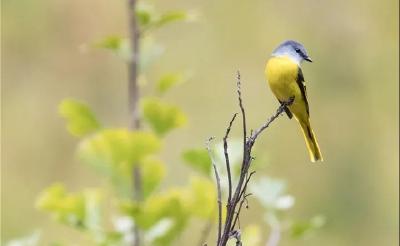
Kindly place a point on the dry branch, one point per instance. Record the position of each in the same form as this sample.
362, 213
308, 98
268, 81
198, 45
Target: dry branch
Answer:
235, 203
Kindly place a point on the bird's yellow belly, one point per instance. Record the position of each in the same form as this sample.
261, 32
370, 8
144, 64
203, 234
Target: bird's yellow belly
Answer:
281, 75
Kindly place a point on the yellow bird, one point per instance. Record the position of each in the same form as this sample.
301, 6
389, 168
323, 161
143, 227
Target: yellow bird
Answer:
286, 80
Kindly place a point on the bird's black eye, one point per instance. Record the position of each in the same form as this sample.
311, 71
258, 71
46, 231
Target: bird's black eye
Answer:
298, 50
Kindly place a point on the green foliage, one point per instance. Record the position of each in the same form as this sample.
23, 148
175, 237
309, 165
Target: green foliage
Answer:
145, 14
118, 45
167, 81
119, 147
81, 120
173, 209
198, 159
168, 205
173, 16
150, 19
80, 210
161, 116
153, 171
201, 197
114, 152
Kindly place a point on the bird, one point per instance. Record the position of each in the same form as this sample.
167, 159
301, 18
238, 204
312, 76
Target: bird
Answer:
286, 81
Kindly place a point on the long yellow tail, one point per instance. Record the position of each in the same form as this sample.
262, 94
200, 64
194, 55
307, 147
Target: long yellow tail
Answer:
311, 141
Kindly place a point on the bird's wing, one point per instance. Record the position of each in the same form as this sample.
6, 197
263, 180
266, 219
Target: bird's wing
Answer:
301, 83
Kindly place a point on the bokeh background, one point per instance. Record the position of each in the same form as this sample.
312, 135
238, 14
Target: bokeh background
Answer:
352, 86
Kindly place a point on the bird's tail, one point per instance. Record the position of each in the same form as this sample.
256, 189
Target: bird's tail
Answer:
311, 141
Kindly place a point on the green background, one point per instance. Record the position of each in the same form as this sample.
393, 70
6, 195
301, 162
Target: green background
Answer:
352, 87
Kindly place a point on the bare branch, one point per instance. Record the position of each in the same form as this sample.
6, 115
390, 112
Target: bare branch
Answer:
228, 166
240, 196
219, 195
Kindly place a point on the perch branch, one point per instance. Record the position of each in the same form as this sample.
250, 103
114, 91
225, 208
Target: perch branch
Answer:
240, 195
219, 195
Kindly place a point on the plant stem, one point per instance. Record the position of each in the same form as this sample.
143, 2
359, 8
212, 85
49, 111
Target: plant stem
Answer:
133, 94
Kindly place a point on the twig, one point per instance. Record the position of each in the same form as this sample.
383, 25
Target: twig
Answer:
219, 195
279, 111
228, 166
243, 197
243, 113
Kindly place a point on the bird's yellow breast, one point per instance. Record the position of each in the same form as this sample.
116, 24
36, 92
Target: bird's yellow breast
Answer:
281, 73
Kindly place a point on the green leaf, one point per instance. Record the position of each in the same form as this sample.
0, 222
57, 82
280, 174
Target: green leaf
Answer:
149, 18
145, 14
306, 228
202, 197
198, 159
153, 171
114, 152
173, 16
81, 121
162, 117
167, 81
168, 205
80, 210
116, 44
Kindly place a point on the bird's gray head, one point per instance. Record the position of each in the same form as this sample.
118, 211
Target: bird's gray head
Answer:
293, 50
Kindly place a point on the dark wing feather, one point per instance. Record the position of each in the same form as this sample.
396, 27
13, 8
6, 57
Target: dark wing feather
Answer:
300, 82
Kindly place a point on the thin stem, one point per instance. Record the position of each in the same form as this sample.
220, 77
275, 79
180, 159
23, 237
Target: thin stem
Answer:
219, 193
228, 166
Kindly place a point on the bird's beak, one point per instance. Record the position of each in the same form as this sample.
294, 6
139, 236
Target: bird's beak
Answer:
308, 59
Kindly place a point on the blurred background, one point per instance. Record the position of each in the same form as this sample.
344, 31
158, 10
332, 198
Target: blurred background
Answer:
352, 87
